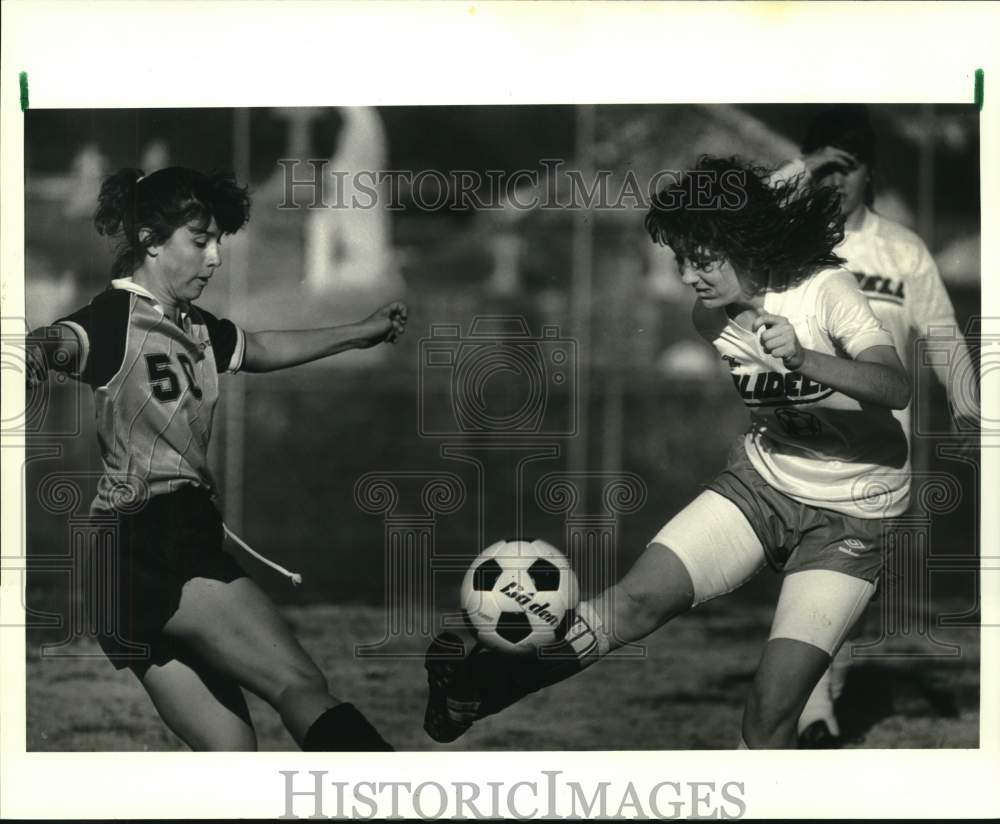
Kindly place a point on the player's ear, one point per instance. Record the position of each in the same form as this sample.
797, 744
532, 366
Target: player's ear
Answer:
146, 241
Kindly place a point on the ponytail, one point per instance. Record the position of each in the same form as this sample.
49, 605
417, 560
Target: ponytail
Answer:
117, 202
161, 203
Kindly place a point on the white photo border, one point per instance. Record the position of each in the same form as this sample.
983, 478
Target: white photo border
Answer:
201, 54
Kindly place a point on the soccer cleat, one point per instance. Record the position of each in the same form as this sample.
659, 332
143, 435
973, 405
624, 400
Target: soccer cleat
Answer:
447, 716
819, 736
467, 684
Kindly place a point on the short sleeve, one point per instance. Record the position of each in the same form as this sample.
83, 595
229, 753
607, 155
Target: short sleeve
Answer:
228, 342
101, 328
846, 317
927, 301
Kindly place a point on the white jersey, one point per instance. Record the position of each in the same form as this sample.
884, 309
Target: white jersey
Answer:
807, 440
901, 281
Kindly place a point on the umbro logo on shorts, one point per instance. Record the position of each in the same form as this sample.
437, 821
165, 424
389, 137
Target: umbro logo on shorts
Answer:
852, 547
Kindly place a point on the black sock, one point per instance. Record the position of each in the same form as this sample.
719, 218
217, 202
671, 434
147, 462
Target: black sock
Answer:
343, 729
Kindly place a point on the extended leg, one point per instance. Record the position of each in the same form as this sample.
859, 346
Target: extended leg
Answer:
236, 629
708, 549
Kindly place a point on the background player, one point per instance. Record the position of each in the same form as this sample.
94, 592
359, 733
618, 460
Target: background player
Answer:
820, 377
151, 357
897, 274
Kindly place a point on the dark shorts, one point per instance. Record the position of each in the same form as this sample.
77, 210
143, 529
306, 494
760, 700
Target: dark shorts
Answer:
171, 540
796, 536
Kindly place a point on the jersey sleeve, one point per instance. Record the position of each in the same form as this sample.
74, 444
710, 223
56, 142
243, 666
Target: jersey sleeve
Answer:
847, 318
228, 342
101, 328
927, 301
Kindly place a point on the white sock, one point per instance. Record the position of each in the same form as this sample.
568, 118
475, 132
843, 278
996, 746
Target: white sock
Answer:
587, 635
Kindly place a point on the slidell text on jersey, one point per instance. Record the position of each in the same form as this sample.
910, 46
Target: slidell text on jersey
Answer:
760, 388
881, 286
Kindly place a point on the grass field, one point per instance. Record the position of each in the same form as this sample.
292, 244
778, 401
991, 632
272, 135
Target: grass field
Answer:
687, 693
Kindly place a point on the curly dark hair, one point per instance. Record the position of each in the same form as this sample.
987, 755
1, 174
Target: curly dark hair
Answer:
775, 235
161, 203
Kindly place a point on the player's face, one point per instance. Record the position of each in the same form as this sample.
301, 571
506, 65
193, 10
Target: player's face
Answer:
850, 183
716, 286
190, 257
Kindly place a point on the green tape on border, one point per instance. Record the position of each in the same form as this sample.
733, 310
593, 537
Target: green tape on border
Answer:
23, 80
978, 93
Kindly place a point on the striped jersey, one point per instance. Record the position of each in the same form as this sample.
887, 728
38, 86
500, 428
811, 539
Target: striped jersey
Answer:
155, 388
809, 441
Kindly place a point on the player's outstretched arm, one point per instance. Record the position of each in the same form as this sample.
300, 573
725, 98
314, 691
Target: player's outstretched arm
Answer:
874, 376
932, 317
271, 350
50, 347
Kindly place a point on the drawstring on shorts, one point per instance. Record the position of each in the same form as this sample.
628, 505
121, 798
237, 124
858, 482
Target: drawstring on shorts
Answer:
296, 578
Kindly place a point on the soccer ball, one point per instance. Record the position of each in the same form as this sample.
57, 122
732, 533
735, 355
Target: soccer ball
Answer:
519, 595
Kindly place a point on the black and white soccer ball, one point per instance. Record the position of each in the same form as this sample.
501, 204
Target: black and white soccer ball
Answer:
519, 596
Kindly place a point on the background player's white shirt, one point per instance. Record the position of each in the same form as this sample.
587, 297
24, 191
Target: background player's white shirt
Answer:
897, 274
807, 440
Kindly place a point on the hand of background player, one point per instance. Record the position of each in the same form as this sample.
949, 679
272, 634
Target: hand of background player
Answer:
829, 155
385, 324
778, 339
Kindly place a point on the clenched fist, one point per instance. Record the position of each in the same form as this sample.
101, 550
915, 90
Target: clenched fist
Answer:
779, 340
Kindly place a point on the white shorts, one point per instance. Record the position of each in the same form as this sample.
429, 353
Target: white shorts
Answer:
720, 550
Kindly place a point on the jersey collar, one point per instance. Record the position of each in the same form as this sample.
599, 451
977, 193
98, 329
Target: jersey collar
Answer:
867, 222
129, 285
